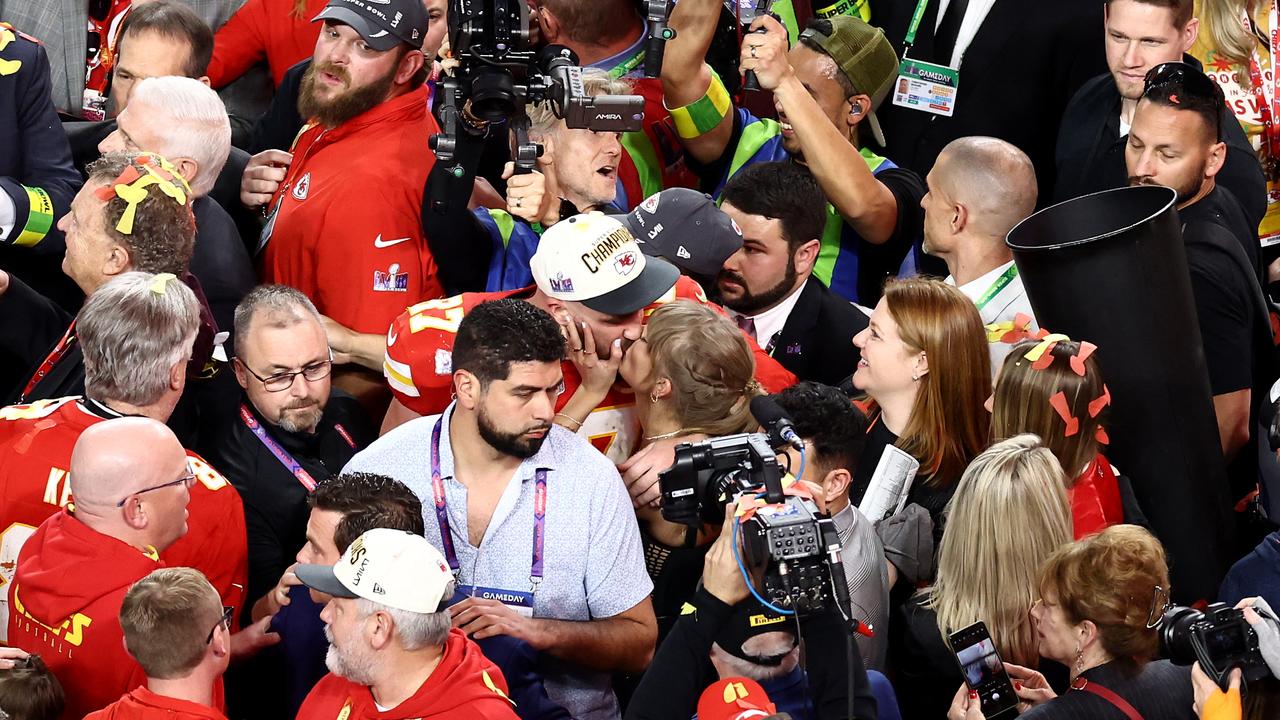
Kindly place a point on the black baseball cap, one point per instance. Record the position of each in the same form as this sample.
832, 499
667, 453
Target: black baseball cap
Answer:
382, 23
749, 619
685, 228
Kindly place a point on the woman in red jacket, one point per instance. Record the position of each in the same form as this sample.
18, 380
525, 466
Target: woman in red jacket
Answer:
1052, 387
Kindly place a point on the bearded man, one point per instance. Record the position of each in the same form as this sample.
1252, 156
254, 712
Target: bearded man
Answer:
344, 206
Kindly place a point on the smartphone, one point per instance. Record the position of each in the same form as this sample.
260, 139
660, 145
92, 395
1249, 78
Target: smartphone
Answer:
984, 672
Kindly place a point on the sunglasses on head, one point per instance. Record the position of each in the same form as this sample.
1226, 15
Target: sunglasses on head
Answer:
1187, 78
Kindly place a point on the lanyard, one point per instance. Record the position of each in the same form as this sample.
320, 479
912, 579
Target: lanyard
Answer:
68, 339
1001, 283
1266, 99
442, 512
916, 16
290, 464
626, 66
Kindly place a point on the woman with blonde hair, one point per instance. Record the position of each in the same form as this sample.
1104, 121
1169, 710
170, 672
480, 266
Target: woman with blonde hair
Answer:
1008, 515
1053, 388
926, 372
1099, 612
694, 377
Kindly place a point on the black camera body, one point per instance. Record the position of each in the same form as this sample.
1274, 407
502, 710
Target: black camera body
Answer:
798, 549
499, 71
1219, 639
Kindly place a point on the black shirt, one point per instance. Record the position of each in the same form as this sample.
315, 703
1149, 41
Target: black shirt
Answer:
1089, 156
1160, 690
928, 491
275, 501
220, 261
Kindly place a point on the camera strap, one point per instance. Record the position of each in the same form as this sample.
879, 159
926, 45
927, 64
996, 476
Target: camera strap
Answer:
442, 513
1110, 696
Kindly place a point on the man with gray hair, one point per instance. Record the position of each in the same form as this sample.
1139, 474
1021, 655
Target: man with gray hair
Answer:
291, 430
393, 652
186, 122
136, 335
979, 188
148, 228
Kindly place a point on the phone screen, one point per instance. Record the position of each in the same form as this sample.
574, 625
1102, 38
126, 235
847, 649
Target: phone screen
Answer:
983, 671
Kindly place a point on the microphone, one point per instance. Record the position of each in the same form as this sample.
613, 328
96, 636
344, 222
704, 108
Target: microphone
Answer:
774, 419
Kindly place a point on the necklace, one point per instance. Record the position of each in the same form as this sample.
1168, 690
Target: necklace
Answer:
664, 436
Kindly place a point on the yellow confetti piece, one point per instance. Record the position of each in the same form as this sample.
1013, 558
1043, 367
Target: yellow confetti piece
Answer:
161, 282
9, 67
1045, 343
6, 37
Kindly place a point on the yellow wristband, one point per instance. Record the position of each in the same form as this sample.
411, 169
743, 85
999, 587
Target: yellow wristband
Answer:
702, 115
39, 219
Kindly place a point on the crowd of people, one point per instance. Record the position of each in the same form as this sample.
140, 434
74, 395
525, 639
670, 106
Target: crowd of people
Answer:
351, 367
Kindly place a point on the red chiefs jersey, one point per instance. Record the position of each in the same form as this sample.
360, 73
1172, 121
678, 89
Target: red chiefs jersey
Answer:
346, 224
35, 457
419, 366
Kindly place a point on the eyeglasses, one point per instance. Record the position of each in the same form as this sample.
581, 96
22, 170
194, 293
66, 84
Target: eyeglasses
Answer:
224, 621
187, 479
282, 381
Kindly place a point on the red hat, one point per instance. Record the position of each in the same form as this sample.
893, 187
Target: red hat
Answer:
734, 699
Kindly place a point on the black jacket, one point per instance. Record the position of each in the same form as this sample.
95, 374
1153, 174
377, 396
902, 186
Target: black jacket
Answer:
1090, 151
1015, 79
220, 261
275, 502
816, 343
1160, 690
680, 670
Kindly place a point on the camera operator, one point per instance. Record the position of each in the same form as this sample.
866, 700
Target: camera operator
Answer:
577, 172
678, 674
1101, 601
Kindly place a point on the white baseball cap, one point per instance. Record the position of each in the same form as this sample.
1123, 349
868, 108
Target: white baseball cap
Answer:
390, 567
595, 260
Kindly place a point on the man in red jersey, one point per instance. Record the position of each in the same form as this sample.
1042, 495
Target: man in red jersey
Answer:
131, 483
415, 355
136, 335
345, 205
178, 631
394, 653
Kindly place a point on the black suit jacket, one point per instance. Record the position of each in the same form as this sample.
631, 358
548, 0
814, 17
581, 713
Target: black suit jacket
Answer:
1016, 78
816, 343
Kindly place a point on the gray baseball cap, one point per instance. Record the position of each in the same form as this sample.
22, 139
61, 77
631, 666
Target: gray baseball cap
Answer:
684, 227
382, 23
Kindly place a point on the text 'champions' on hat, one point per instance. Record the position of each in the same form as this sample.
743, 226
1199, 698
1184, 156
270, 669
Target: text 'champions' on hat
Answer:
389, 567
382, 23
595, 260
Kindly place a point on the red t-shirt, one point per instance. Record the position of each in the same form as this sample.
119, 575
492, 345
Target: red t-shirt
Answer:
264, 30
346, 224
464, 686
35, 454
419, 366
1095, 499
142, 704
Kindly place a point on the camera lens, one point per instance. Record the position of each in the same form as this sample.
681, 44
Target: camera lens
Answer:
1175, 634
493, 95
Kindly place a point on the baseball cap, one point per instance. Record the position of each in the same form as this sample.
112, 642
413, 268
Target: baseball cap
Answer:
734, 699
685, 228
748, 620
865, 57
594, 259
382, 23
390, 567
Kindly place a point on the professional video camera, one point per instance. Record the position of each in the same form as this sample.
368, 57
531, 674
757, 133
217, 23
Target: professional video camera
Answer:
1219, 638
499, 71
798, 548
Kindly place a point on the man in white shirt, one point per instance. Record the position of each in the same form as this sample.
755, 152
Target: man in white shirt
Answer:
978, 190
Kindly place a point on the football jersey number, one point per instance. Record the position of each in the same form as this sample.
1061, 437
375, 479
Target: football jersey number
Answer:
426, 315
33, 411
206, 475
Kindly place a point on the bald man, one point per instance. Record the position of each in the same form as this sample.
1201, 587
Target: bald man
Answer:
130, 479
979, 188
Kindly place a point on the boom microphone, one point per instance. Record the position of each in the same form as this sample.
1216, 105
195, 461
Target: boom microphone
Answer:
774, 420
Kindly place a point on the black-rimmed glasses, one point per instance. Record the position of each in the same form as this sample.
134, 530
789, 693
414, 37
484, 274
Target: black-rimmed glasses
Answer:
188, 479
225, 620
279, 382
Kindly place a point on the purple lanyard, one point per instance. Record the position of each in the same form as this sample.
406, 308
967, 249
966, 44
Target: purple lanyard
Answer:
442, 512
281, 454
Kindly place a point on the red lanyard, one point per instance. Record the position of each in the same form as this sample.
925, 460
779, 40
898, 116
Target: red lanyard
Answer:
68, 339
1268, 102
